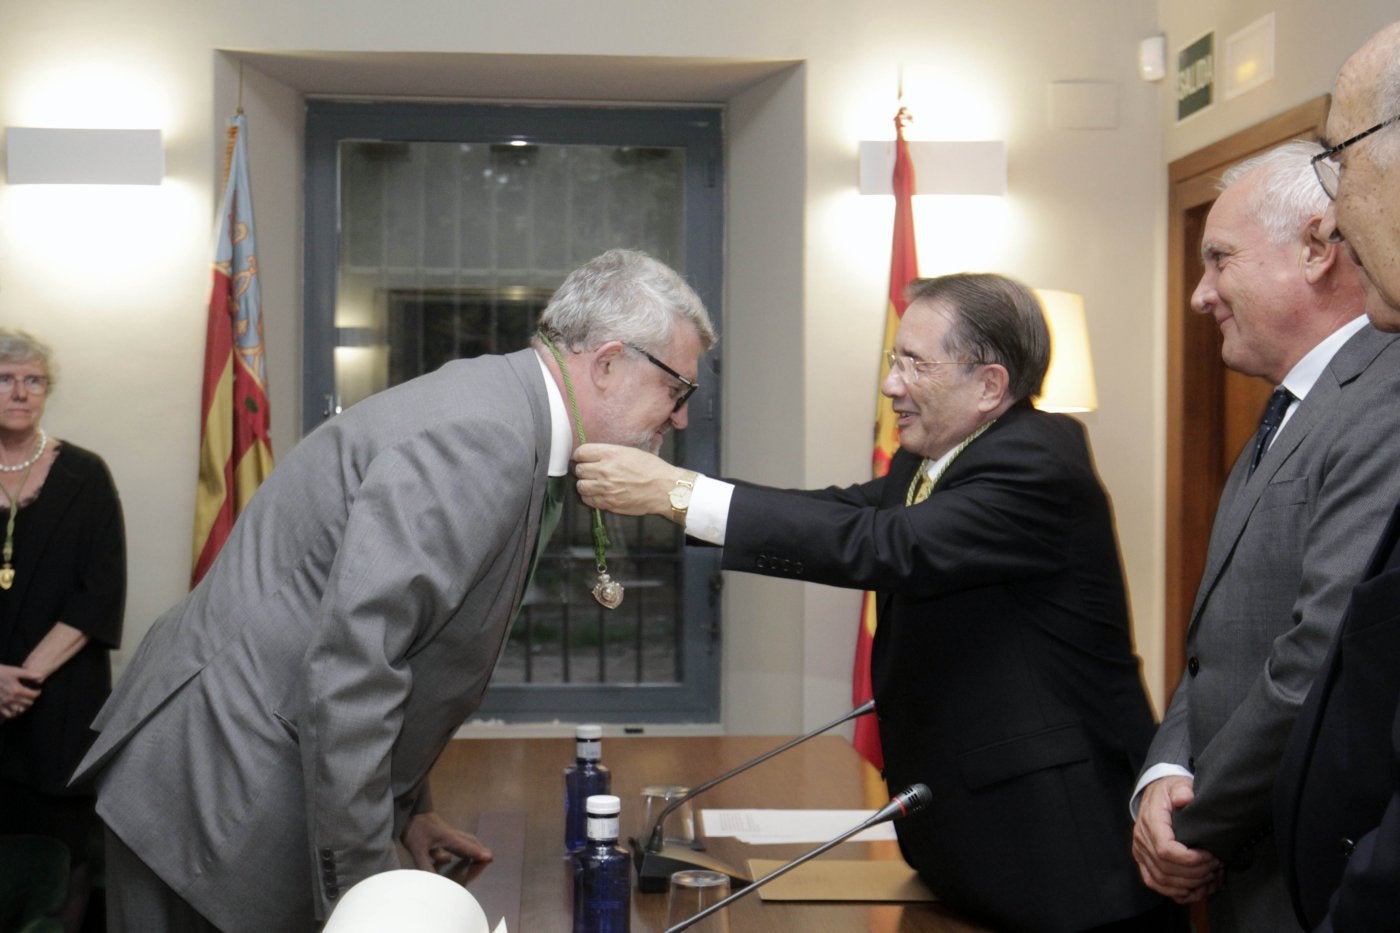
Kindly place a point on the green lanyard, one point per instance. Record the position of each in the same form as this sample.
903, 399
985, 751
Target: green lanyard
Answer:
607, 591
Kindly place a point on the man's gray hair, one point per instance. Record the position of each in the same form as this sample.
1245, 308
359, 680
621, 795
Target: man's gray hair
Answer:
1288, 194
624, 295
17, 346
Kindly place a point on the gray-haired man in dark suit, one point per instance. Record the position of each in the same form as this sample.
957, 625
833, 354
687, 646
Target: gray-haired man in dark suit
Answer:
1003, 667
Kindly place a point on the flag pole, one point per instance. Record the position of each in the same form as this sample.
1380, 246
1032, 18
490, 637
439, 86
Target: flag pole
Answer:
903, 270
235, 453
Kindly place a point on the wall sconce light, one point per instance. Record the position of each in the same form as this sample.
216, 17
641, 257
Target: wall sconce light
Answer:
1069, 383
940, 167
44, 156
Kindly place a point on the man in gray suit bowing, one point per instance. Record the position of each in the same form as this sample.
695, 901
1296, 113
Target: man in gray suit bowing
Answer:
272, 736
1301, 512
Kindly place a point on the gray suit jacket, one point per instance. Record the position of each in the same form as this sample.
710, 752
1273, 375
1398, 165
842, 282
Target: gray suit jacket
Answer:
1287, 546
273, 733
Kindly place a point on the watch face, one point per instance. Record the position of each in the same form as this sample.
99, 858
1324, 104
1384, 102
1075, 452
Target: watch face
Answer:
680, 498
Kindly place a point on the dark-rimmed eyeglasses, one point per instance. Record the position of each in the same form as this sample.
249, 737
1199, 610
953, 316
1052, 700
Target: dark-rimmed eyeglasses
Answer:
688, 386
911, 370
34, 385
1325, 163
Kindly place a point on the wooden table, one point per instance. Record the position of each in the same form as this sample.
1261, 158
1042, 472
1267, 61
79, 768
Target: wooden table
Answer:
510, 791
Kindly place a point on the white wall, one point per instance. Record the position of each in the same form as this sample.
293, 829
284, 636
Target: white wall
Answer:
118, 280
1313, 39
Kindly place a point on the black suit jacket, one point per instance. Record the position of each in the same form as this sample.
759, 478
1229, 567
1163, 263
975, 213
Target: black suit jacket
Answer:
1003, 667
1337, 797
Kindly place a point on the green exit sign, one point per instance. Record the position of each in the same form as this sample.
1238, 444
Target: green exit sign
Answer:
1195, 76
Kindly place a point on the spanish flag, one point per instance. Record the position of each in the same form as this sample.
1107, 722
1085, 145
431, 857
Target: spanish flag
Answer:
235, 453
904, 268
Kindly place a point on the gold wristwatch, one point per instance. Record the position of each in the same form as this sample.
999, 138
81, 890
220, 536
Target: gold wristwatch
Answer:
680, 497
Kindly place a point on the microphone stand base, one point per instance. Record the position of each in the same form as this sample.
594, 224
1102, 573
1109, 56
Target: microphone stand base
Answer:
654, 868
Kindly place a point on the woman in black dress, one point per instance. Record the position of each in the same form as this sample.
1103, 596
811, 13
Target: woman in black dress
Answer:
62, 590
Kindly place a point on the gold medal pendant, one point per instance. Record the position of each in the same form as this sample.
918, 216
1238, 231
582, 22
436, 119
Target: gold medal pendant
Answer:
607, 591
7, 578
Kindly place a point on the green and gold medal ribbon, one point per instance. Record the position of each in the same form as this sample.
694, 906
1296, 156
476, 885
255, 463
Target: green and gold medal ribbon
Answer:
607, 591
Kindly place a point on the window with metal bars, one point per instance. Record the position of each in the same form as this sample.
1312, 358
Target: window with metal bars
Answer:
439, 231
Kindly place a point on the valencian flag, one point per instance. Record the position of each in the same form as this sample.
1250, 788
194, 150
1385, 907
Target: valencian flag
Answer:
904, 262
235, 453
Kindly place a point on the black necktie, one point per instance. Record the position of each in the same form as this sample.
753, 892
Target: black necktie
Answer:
1273, 416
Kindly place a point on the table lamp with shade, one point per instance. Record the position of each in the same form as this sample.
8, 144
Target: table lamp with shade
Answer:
1069, 383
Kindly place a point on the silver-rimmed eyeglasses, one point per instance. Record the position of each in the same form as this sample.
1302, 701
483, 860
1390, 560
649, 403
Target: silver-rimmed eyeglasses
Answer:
688, 386
911, 370
34, 385
1325, 163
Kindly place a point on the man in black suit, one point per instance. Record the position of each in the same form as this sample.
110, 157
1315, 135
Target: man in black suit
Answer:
1337, 797
1003, 665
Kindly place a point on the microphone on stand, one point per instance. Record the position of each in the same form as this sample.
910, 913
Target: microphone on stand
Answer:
910, 800
655, 861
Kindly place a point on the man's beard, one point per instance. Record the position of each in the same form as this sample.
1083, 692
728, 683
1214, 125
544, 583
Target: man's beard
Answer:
648, 439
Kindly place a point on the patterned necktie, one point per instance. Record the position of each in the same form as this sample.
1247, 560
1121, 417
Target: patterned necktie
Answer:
925, 478
1268, 425
922, 486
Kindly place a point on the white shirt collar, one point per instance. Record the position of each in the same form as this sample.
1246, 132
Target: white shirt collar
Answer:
1305, 373
561, 445
934, 468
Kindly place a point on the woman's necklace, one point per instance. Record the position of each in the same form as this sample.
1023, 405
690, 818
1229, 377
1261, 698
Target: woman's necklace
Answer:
38, 452
7, 572
607, 591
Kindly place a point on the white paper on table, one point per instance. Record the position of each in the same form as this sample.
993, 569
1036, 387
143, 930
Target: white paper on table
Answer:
771, 827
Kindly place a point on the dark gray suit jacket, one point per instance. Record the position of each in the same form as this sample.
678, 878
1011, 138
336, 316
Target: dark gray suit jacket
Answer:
1287, 546
273, 733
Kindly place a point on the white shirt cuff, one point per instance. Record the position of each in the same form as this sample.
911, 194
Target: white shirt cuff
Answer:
708, 515
1159, 770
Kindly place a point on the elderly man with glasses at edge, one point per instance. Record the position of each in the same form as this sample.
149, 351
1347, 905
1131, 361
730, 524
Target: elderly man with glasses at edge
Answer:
1337, 796
1003, 666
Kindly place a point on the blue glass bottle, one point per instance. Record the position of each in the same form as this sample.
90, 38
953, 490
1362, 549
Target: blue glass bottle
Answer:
602, 873
582, 779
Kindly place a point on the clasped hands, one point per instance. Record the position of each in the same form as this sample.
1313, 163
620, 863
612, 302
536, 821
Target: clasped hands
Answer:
18, 690
1168, 866
624, 480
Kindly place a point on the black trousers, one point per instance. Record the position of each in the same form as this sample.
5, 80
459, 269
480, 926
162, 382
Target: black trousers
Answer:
1167, 918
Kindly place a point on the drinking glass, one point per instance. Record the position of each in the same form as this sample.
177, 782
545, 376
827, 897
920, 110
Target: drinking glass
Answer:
692, 892
679, 828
